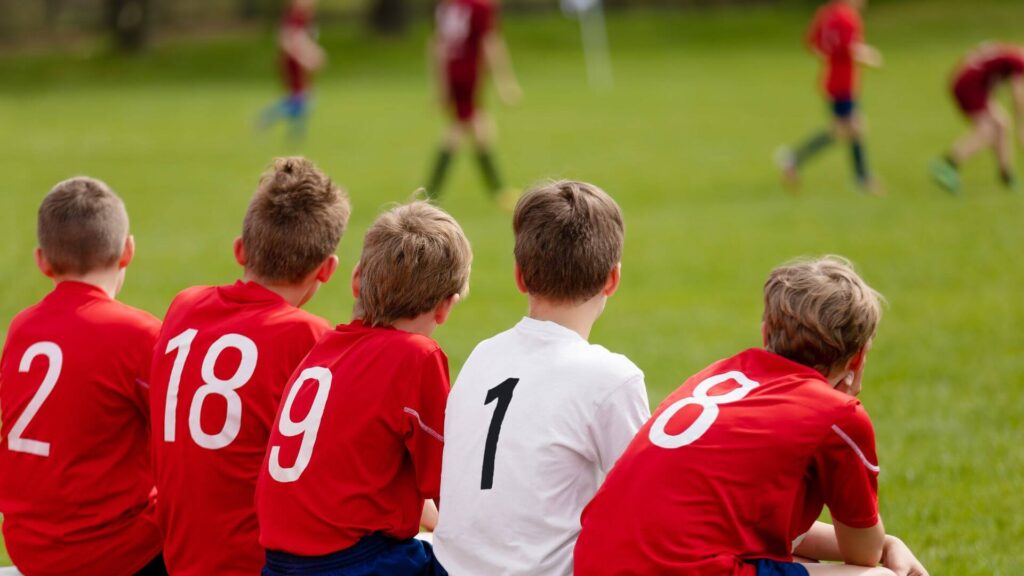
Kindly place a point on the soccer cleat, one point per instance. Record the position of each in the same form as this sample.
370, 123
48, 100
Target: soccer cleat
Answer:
945, 175
507, 198
785, 160
871, 187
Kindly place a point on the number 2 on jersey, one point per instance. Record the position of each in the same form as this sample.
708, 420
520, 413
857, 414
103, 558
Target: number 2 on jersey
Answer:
503, 394
15, 442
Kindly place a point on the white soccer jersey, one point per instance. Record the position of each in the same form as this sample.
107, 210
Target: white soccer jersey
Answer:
535, 420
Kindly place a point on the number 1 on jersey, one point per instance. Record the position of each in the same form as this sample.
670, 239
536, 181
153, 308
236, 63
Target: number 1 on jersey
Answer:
503, 394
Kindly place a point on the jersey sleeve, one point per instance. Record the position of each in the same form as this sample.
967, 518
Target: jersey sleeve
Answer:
485, 19
618, 418
423, 422
848, 469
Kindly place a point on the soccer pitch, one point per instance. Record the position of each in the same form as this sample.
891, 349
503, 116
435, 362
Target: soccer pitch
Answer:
684, 142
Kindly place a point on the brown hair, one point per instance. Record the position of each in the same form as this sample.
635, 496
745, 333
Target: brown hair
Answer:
82, 226
414, 256
294, 222
569, 237
819, 312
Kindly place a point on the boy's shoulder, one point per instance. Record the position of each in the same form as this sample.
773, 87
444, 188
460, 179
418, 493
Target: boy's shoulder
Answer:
268, 311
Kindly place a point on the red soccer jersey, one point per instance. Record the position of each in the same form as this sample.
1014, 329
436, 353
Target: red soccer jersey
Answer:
75, 478
835, 30
981, 71
356, 447
297, 78
736, 464
462, 26
222, 360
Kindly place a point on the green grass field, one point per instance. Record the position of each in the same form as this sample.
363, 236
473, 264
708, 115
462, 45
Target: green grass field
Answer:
684, 142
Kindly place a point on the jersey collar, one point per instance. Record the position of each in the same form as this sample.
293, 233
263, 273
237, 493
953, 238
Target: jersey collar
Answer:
547, 327
249, 292
81, 289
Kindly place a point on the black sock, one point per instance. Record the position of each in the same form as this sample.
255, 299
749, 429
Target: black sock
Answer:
951, 161
812, 146
1006, 177
444, 159
860, 163
489, 170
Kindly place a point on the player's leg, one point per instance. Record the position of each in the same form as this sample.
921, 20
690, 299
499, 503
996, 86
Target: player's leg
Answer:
790, 160
297, 111
1003, 145
483, 133
983, 134
850, 127
449, 144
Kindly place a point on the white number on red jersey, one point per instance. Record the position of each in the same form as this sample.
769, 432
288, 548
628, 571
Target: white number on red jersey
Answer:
709, 410
15, 442
308, 426
212, 386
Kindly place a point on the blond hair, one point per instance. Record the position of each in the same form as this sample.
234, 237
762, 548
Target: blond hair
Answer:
294, 222
568, 238
819, 312
414, 257
82, 226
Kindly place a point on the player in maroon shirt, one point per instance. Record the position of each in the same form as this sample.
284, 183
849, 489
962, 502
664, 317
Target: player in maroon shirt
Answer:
837, 36
300, 56
467, 38
76, 488
976, 78
356, 447
221, 362
729, 476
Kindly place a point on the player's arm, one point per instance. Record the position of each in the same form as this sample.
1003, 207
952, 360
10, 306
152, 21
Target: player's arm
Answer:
860, 546
619, 416
428, 519
500, 65
867, 55
298, 44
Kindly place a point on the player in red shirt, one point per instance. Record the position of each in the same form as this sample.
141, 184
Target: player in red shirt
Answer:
300, 57
222, 360
356, 447
731, 473
974, 82
75, 480
466, 39
837, 36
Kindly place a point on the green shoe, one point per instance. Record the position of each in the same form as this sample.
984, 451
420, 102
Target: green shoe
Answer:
945, 175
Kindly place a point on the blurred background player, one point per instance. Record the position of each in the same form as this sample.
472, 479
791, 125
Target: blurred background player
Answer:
75, 477
300, 57
837, 36
466, 39
974, 82
221, 363
733, 471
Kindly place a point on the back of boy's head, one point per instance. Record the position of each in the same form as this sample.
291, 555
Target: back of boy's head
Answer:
294, 222
82, 226
414, 257
819, 312
569, 237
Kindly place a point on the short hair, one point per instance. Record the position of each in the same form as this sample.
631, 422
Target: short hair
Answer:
82, 226
414, 257
294, 222
568, 239
819, 312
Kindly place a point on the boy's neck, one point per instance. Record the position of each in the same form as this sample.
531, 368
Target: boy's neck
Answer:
293, 294
579, 318
424, 324
108, 280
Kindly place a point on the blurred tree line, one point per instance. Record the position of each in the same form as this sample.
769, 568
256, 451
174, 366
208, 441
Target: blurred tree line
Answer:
132, 23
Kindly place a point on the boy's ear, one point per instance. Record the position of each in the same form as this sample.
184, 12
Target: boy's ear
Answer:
355, 281
445, 308
520, 284
43, 264
856, 363
128, 254
327, 269
240, 256
612, 283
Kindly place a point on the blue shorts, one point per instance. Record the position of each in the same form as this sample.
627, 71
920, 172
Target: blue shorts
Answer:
776, 568
843, 108
374, 555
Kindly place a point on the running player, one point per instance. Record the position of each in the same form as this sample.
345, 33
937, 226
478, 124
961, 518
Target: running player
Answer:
731, 474
75, 477
538, 414
466, 38
977, 77
221, 363
837, 36
356, 447
300, 57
